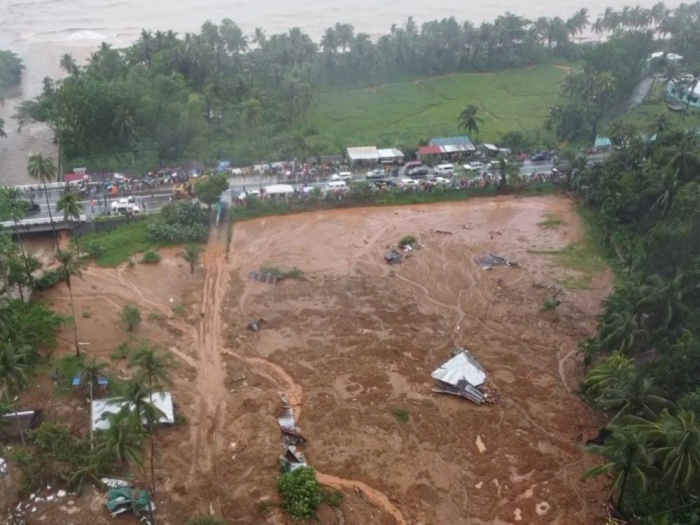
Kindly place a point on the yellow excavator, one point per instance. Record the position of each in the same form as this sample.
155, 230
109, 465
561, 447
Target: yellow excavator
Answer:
185, 190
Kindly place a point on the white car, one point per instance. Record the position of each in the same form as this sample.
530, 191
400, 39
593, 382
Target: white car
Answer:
441, 181
336, 186
408, 183
444, 169
345, 176
475, 165
124, 206
376, 174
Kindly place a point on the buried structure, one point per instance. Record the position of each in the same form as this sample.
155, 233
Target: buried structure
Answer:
463, 376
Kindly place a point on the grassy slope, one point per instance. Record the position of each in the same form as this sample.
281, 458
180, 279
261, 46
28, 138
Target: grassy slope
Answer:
402, 113
644, 114
121, 243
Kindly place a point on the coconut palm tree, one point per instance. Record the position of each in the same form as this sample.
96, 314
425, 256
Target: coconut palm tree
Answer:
616, 369
71, 266
14, 365
69, 203
469, 121
91, 371
123, 440
626, 459
43, 170
637, 396
662, 299
683, 155
663, 189
191, 255
12, 204
69, 65
674, 444
622, 331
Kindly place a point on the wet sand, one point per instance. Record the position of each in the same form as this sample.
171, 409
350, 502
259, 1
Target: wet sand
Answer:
353, 341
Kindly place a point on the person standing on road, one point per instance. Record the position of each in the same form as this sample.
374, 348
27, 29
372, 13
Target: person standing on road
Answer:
92, 206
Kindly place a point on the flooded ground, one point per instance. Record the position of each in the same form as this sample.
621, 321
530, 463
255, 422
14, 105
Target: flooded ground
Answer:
352, 343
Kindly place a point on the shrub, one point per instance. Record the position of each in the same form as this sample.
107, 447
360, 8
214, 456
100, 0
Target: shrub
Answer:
551, 304
402, 415
332, 497
150, 257
122, 352
301, 492
408, 240
130, 316
94, 248
156, 316
49, 279
87, 314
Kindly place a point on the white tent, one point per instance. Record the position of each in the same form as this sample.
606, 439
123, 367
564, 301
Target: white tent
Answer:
390, 154
163, 401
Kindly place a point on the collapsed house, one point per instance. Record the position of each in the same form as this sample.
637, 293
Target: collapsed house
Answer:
13, 425
292, 458
463, 376
162, 401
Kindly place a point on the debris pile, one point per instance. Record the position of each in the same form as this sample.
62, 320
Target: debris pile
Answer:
256, 324
125, 499
266, 278
292, 458
393, 256
463, 376
490, 261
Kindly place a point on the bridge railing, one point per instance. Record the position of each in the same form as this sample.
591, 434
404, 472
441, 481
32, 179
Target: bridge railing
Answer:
39, 222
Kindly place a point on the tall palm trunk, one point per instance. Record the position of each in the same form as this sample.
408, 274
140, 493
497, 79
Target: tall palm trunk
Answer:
75, 319
92, 431
153, 446
24, 255
48, 207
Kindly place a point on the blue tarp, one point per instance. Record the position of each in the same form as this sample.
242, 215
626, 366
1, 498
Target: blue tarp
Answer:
602, 142
101, 380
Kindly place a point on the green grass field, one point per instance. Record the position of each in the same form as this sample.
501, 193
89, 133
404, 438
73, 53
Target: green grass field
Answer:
403, 113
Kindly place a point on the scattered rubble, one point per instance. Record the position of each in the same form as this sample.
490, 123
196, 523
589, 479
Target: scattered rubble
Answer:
490, 261
256, 324
266, 278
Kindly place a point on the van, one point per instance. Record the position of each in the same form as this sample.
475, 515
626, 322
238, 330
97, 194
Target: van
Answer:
444, 169
475, 165
413, 164
336, 185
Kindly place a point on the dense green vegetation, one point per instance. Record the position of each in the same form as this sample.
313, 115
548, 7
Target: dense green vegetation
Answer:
11, 68
646, 209
301, 492
219, 93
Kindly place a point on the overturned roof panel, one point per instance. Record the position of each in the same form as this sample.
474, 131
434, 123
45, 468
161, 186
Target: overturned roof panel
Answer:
462, 367
163, 401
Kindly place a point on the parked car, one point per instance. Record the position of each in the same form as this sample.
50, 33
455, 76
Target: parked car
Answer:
444, 169
441, 181
413, 164
540, 157
418, 172
408, 183
376, 174
125, 206
343, 175
336, 185
475, 165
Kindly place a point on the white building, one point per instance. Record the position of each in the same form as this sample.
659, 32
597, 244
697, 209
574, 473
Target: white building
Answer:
684, 92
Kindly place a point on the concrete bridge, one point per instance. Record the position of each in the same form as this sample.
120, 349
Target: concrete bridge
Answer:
42, 224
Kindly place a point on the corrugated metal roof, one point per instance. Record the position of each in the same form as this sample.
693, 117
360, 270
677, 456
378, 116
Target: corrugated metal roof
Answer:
364, 153
462, 367
389, 153
163, 401
430, 150
490, 147
279, 189
451, 141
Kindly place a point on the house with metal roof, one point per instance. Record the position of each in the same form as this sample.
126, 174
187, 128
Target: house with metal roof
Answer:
446, 147
365, 154
461, 376
163, 401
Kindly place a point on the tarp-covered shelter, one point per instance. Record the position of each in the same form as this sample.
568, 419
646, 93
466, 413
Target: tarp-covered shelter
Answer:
366, 154
163, 401
461, 376
602, 142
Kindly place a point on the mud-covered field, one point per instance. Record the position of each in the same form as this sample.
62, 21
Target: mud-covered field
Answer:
352, 344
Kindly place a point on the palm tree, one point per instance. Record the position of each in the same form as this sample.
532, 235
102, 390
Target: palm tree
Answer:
2, 129
614, 370
91, 371
627, 459
663, 189
684, 157
69, 65
662, 298
69, 203
44, 170
674, 442
469, 121
191, 255
14, 364
638, 397
152, 366
123, 440
660, 123
14, 206
71, 265
623, 332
